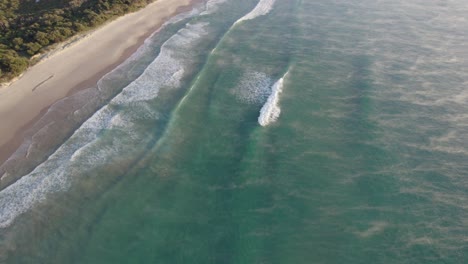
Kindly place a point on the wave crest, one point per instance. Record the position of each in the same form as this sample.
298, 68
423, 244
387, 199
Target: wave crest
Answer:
263, 7
271, 110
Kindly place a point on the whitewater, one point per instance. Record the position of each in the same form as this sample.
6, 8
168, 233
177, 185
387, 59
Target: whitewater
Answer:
263, 7
82, 151
271, 110
310, 131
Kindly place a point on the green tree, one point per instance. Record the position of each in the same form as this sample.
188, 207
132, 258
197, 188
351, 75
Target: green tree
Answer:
42, 38
17, 44
33, 48
27, 26
13, 64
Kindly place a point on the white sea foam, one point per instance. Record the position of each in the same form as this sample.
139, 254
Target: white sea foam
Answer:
254, 87
271, 110
263, 7
166, 70
147, 43
212, 6
85, 148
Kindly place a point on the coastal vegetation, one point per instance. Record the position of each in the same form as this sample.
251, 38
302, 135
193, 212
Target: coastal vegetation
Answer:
29, 27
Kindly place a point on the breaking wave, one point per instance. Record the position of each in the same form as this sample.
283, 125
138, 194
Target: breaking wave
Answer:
86, 148
263, 7
271, 110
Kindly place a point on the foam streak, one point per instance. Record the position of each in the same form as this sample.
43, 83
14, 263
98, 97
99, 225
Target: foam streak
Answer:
85, 145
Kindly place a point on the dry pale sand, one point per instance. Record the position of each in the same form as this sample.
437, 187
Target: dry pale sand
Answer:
76, 67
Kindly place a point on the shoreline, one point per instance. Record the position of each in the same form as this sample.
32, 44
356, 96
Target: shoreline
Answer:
13, 135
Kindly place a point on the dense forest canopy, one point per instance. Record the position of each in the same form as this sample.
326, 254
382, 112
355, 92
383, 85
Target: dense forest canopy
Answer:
29, 26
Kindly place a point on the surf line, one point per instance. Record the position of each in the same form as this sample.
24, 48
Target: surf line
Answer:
41, 83
262, 8
271, 110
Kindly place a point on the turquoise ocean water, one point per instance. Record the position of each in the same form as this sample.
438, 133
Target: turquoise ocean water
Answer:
263, 131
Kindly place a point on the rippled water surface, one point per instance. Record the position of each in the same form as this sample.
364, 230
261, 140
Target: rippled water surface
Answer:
263, 131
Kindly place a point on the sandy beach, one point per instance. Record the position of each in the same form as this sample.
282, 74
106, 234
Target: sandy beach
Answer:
76, 67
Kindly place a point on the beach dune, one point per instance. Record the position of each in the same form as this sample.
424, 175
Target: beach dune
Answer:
76, 67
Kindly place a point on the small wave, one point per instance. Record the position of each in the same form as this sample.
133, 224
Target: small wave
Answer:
263, 7
143, 49
75, 109
271, 110
166, 70
85, 147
